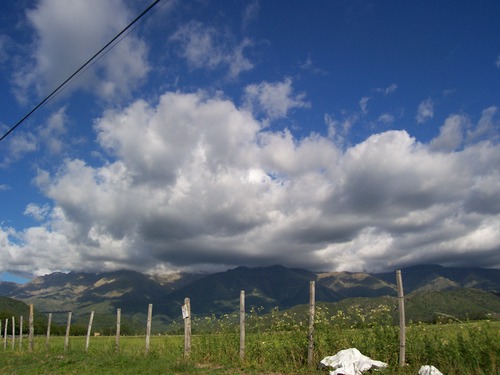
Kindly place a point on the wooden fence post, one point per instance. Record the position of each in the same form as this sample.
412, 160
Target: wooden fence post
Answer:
13, 332
312, 305
68, 326
186, 315
31, 323
242, 324
148, 326
118, 323
88, 331
20, 332
402, 328
48, 332
5, 334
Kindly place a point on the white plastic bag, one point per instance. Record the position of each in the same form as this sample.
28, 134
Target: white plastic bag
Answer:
350, 362
429, 370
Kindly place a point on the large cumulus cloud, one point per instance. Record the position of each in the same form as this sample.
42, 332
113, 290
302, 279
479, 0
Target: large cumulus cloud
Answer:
194, 182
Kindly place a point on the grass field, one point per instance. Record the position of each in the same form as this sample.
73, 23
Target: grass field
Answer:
277, 345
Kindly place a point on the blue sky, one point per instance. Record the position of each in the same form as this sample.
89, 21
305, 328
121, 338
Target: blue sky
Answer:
329, 135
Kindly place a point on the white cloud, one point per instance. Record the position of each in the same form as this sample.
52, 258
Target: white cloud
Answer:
4, 41
67, 34
53, 130
250, 13
425, 111
363, 103
19, 145
497, 63
338, 129
194, 181
49, 136
451, 134
37, 212
198, 45
275, 100
205, 47
237, 62
331, 124
387, 90
390, 89
386, 118
486, 128
309, 66
183, 129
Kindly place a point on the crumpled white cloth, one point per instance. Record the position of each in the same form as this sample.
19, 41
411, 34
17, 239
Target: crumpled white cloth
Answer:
429, 370
350, 362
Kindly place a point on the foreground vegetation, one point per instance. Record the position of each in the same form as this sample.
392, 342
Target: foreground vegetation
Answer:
276, 343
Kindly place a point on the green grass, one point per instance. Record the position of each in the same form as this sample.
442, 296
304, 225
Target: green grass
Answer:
276, 344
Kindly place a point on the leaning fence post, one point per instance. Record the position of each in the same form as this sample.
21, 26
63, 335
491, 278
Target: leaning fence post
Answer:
312, 305
242, 324
5, 334
13, 332
48, 332
88, 331
186, 315
31, 337
148, 326
118, 323
402, 329
68, 326
20, 332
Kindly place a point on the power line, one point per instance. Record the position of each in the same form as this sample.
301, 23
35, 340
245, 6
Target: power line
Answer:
79, 69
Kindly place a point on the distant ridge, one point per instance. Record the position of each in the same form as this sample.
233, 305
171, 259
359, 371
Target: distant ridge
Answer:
421, 276
218, 293
265, 287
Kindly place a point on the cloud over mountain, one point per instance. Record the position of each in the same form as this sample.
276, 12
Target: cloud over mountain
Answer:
194, 181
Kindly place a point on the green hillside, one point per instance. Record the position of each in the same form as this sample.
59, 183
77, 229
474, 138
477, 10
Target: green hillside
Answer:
461, 304
426, 306
10, 307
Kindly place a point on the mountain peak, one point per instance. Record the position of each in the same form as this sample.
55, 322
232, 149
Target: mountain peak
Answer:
218, 293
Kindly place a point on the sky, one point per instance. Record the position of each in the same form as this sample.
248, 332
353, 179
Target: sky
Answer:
333, 135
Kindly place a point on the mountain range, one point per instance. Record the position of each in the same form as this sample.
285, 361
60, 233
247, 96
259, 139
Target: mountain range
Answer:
218, 293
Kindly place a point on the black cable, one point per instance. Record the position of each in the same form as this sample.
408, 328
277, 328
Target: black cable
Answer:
79, 70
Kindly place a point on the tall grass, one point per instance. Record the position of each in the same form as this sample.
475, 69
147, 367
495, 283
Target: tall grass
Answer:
275, 343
